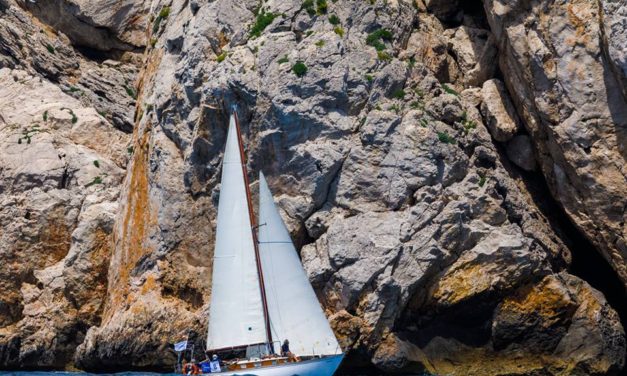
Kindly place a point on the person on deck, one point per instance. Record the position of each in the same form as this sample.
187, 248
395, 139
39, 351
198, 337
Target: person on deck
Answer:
215, 364
191, 368
285, 351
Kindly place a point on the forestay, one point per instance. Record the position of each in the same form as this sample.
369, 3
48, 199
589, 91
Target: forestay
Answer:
236, 312
294, 310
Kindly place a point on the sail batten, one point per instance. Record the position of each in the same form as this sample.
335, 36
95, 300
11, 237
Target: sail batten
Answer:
295, 313
236, 312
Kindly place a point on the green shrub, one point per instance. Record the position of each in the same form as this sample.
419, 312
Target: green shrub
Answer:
482, 180
320, 43
45, 115
156, 24
445, 138
164, 13
96, 163
262, 21
374, 39
96, 180
416, 105
449, 90
220, 58
334, 20
129, 150
300, 69
321, 7
383, 56
153, 41
369, 78
283, 60
339, 31
130, 92
399, 94
50, 48
308, 5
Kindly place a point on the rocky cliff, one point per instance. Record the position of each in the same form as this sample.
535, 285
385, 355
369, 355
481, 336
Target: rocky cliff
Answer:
412, 148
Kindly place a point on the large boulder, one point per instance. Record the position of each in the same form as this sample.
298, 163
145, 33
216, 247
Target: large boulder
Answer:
498, 110
565, 75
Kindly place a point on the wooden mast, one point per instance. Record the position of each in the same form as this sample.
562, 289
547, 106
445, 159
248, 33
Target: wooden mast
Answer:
253, 223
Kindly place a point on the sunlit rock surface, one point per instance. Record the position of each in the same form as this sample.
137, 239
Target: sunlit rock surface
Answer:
395, 158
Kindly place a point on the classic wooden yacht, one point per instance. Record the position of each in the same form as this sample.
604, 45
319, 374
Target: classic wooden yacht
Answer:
261, 295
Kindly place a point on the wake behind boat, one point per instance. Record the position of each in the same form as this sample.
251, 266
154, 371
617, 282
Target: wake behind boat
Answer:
261, 295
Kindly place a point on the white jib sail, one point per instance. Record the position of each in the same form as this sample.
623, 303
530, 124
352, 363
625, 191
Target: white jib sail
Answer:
294, 310
236, 312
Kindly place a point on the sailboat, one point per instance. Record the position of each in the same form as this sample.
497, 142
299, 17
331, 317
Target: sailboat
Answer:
261, 295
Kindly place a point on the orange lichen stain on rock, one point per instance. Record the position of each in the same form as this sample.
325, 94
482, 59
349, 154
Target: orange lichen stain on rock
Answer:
91, 298
462, 283
137, 218
548, 299
445, 358
347, 328
150, 285
130, 239
580, 15
55, 237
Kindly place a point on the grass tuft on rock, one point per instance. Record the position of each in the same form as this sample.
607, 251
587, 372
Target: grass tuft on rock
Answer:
334, 20
450, 90
445, 138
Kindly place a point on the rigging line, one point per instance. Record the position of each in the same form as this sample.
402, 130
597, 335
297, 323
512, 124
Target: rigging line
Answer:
275, 242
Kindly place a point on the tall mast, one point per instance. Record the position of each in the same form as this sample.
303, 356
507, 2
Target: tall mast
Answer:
253, 223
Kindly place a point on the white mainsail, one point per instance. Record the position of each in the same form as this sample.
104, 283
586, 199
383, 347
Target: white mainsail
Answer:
236, 312
294, 310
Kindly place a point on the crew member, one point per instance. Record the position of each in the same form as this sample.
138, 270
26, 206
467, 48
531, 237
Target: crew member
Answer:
215, 364
285, 351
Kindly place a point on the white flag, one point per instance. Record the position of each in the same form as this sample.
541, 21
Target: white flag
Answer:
180, 346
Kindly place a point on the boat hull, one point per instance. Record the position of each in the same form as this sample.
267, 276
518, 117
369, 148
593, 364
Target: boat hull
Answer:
316, 367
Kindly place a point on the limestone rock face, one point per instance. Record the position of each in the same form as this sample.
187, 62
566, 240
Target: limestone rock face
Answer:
498, 110
426, 249
102, 25
60, 169
575, 50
